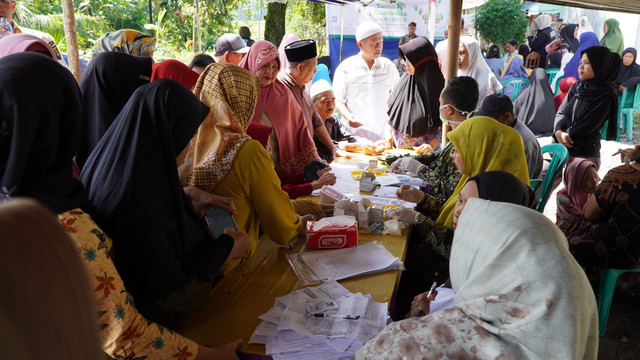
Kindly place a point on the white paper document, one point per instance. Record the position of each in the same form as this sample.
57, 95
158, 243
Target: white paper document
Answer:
349, 262
289, 331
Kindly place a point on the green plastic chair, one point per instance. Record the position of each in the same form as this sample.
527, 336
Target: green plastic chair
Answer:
559, 157
606, 287
518, 85
551, 74
534, 184
625, 117
603, 133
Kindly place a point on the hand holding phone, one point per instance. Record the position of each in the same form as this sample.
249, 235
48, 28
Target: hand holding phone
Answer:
218, 220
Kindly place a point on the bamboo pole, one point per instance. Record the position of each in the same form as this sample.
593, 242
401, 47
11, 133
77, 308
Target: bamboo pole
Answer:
453, 44
72, 40
198, 27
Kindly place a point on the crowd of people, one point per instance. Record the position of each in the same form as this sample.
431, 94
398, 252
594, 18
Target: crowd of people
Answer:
129, 161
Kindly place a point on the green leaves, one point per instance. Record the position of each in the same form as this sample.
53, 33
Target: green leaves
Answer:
498, 21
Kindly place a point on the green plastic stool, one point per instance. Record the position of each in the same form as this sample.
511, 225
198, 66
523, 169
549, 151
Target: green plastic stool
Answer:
606, 287
559, 157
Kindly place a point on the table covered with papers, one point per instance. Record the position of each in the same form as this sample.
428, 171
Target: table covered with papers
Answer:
266, 285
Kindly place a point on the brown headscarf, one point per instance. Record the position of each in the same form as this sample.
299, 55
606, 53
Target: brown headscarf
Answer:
47, 309
231, 94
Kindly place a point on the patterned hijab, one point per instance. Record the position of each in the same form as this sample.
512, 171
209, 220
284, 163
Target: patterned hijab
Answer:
485, 145
128, 41
519, 294
296, 146
231, 94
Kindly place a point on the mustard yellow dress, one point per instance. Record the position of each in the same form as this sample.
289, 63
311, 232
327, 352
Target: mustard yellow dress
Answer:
124, 332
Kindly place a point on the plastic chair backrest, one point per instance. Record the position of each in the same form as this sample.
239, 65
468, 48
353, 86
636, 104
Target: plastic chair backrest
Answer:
532, 61
517, 86
534, 184
559, 157
551, 74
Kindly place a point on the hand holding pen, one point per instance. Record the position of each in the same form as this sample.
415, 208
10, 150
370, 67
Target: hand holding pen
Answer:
420, 303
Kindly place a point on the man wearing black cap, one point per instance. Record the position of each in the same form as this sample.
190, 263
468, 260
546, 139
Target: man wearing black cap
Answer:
230, 49
303, 58
500, 107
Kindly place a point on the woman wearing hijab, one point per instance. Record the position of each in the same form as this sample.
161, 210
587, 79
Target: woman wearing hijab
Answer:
585, 26
606, 234
414, 103
38, 164
164, 253
587, 40
174, 70
287, 39
47, 309
223, 160
524, 51
554, 60
535, 107
568, 41
514, 69
538, 42
589, 104
612, 38
291, 146
493, 60
17, 43
472, 64
580, 180
542, 306
107, 84
127, 41
628, 78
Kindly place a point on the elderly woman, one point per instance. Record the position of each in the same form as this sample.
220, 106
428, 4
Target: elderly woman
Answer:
223, 160
538, 42
629, 75
291, 146
413, 104
519, 294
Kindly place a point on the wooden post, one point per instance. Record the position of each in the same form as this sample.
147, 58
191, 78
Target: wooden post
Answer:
197, 10
72, 40
453, 44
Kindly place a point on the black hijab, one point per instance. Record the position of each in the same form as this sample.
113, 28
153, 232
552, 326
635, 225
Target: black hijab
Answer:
535, 107
630, 72
554, 60
503, 186
132, 179
107, 85
606, 67
39, 131
414, 103
524, 51
567, 39
494, 52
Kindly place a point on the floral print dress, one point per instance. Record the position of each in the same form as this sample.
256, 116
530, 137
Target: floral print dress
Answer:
124, 332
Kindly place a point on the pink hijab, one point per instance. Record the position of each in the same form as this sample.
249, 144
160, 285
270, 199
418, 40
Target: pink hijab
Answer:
287, 39
17, 43
174, 70
296, 148
574, 174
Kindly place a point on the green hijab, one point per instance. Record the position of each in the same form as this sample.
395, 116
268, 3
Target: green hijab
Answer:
613, 38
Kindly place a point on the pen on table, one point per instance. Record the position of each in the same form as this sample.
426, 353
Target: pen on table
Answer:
341, 316
433, 288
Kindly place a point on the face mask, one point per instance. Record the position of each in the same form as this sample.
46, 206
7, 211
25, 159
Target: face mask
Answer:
449, 122
452, 122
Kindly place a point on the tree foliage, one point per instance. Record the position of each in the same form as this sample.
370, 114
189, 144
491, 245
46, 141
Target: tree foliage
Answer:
498, 21
274, 25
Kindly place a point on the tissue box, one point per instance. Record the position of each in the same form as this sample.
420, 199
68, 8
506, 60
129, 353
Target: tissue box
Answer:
332, 233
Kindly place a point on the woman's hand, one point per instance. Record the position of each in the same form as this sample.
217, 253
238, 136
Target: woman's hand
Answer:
202, 201
223, 352
625, 155
424, 148
302, 230
621, 88
241, 243
410, 194
420, 304
564, 138
327, 178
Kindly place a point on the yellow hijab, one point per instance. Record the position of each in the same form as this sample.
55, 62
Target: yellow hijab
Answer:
485, 145
231, 93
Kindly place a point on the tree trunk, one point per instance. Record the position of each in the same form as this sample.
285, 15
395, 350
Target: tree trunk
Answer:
274, 22
72, 40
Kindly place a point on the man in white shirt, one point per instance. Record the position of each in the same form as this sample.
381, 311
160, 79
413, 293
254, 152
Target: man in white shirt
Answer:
512, 50
362, 84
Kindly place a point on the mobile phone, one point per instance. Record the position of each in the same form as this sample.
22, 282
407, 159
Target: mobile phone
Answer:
218, 220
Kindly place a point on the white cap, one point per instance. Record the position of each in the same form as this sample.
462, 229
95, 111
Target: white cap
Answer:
367, 29
319, 87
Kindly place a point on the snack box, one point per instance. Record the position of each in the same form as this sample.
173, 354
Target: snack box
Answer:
343, 232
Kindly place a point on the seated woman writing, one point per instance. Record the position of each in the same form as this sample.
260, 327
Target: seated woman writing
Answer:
42, 114
223, 160
606, 233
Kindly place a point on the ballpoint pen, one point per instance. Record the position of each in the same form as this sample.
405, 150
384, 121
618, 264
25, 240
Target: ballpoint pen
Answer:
433, 288
341, 316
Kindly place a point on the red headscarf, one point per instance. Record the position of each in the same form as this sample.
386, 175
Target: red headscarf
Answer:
174, 70
296, 147
17, 43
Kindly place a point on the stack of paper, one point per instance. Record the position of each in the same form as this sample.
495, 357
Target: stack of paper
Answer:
293, 328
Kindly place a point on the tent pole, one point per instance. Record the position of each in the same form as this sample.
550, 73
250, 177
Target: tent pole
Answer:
453, 44
341, 28
72, 39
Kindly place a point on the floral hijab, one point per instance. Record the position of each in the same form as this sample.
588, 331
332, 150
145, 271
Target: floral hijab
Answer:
128, 41
231, 94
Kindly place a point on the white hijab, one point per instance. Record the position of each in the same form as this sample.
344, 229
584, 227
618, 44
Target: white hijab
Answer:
479, 70
587, 26
543, 21
520, 294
